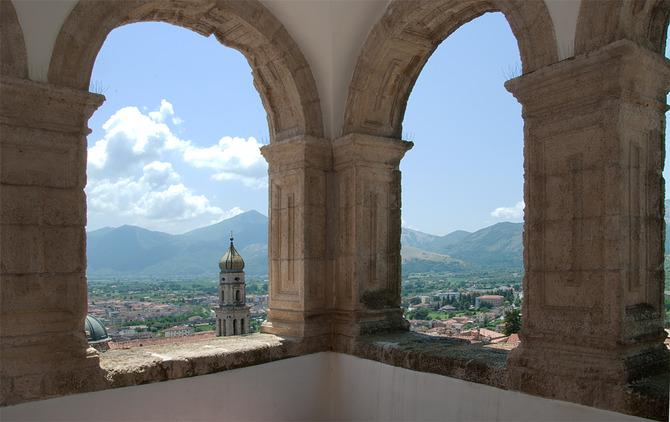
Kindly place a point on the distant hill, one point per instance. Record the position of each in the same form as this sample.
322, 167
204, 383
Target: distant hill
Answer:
133, 251
416, 239
130, 251
498, 246
416, 260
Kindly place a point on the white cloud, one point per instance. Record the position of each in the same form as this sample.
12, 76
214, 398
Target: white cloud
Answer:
131, 182
509, 213
131, 140
166, 110
158, 174
154, 201
232, 159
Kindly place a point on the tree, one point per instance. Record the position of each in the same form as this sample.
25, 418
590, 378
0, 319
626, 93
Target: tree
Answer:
512, 322
420, 314
485, 307
415, 300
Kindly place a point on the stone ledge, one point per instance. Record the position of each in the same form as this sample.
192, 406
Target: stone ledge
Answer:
143, 365
454, 358
451, 357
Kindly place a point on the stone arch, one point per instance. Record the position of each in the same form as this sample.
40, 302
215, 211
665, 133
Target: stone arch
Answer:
405, 37
13, 56
602, 22
280, 71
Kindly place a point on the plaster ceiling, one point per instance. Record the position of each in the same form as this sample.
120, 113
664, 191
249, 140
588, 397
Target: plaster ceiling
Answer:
330, 34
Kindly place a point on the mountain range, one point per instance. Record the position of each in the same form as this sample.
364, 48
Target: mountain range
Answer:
130, 251
133, 251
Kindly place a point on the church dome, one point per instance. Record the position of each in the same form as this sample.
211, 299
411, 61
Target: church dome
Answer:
231, 260
95, 329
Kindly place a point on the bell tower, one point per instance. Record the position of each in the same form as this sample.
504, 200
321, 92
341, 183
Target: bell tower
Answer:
232, 315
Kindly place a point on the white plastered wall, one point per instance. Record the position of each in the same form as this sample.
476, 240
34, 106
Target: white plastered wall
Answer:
322, 386
330, 33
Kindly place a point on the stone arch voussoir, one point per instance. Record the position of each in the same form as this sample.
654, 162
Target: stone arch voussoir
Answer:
644, 22
405, 37
13, 57
280, 71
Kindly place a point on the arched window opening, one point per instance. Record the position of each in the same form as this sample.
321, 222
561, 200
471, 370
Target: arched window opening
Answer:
462, 183
174, 149
237, 295
242, 330
235, 327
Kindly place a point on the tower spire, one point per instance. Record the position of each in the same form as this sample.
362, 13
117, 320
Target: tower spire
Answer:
232, 315
231, 260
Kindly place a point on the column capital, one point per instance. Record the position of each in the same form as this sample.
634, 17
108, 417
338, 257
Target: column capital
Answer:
44, 106
593, 77
297, 153
368, 150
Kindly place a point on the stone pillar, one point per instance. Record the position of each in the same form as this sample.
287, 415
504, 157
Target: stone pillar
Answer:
594, 229
366, 259
43, 241
298, 169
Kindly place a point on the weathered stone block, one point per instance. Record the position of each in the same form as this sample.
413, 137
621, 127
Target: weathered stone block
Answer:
40, 205
42, 158
71, 381
43, 249
34, 292
28, 387
21, 252
44, 352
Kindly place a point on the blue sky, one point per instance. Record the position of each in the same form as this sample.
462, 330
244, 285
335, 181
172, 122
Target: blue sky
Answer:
175, 146
465, 171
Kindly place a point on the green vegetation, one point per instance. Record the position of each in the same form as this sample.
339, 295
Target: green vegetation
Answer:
255, 323
174, 290
512, 322
429, 283
157, 324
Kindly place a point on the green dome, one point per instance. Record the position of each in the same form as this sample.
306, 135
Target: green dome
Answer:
95, 329
231, 260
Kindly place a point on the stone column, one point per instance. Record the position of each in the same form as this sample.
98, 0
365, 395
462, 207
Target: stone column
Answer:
594, 229
366, 258
298, 169
43, 241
